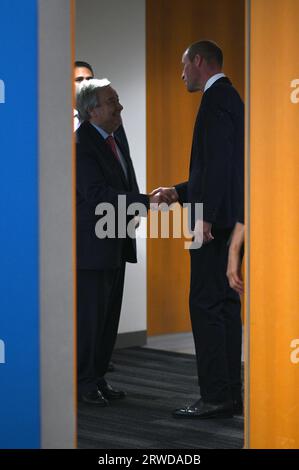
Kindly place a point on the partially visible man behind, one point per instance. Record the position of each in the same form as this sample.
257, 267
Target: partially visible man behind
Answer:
104, 172
82, 73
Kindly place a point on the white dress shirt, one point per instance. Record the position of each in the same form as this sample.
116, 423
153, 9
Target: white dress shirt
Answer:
77, 122
212, 80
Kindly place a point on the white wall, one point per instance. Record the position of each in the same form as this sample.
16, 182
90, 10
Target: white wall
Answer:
111, 37
58, 401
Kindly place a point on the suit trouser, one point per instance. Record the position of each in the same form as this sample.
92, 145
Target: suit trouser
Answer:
216, 322
99, 299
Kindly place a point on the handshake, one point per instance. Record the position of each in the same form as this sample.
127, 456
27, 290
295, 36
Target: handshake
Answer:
163, 195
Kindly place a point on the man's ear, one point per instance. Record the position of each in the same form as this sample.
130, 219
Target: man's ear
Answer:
198, 60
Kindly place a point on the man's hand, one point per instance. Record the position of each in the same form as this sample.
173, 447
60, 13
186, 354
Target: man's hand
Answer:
166, 195
202, 232
234, 272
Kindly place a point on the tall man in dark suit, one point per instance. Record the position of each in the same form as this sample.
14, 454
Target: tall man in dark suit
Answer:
104, 172
215, 179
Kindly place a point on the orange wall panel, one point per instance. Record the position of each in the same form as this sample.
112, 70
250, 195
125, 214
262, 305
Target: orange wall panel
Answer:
274, 225
172, 25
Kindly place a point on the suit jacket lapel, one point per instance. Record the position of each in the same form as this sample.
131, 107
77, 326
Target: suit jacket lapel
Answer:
106, 154
130, 169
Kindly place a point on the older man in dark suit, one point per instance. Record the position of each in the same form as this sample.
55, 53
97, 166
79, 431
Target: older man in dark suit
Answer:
216, 179
83, 72
104, 172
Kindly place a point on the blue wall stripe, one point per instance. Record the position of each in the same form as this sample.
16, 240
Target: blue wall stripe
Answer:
19, 244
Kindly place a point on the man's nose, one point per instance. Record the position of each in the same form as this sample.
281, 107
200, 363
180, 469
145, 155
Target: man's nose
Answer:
183, 76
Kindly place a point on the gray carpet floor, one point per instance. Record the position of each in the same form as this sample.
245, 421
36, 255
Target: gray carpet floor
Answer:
156, 382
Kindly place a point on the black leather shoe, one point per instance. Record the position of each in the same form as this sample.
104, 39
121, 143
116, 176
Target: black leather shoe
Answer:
238, 407
109, 393
94, 397
205, 410
111, 367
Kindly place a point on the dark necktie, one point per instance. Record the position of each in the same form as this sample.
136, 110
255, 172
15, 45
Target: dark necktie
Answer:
111, 142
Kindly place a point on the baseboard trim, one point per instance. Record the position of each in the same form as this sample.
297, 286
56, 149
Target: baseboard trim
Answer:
127, 340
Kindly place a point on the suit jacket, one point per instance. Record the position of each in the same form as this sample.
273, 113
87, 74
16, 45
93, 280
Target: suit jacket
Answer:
100, 178
216, 174
120, 135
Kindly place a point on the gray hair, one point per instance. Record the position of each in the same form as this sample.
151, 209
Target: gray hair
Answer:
86, 98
